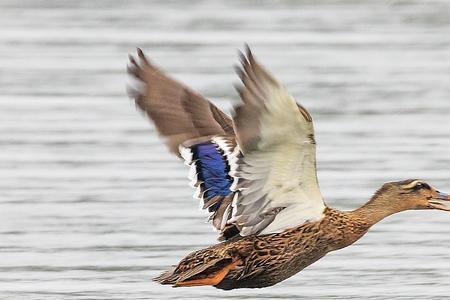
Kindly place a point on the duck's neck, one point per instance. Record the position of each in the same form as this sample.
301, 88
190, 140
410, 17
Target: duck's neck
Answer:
376, 209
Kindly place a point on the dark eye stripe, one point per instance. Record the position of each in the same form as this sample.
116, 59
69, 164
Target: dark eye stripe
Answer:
422, 185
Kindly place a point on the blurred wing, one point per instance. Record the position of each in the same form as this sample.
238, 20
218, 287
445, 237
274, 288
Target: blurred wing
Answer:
178, 112
277, 185
194, 129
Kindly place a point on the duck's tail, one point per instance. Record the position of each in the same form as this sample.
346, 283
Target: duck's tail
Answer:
210, 272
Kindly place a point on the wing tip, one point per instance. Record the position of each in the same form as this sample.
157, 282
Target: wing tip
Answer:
141, 55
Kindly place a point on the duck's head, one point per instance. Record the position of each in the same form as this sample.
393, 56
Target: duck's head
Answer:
413, 194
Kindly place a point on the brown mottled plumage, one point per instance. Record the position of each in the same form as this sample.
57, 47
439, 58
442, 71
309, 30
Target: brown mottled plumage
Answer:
269, 259
261, 246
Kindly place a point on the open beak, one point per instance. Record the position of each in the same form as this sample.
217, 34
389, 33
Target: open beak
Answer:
440, 201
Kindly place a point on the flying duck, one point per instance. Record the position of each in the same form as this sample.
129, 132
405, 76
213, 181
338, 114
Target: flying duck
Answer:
255, 173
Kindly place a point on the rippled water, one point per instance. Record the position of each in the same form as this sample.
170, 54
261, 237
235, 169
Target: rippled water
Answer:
92, 206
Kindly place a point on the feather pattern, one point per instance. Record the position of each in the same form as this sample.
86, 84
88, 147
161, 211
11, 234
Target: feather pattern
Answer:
210, 161
277, 185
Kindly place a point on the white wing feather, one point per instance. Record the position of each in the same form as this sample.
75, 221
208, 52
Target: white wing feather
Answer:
277, 185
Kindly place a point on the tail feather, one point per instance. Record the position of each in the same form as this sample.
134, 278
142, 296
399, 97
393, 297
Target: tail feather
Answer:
208, 273
167, 277
211, 278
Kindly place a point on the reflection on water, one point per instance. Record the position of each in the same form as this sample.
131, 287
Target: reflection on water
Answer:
92, 205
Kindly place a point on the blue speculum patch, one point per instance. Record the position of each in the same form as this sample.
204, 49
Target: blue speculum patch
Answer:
212, 169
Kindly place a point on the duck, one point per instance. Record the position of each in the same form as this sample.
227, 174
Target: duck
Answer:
255, 174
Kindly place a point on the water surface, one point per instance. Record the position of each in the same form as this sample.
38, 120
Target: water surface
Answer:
92, 206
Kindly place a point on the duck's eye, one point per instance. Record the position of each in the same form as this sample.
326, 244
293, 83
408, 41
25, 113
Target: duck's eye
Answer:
421, 185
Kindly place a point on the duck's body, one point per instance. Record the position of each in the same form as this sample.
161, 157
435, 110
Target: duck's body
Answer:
265, 260
256, 175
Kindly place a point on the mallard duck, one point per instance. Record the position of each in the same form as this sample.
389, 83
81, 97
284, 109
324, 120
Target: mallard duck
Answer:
255, 173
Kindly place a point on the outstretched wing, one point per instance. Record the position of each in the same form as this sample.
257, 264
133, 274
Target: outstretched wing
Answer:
178, 112
277, 185
262, 180
195, 129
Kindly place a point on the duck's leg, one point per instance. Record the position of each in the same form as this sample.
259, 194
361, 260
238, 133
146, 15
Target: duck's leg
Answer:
210, 279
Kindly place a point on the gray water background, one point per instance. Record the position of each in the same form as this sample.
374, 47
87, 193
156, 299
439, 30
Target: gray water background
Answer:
91, 204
